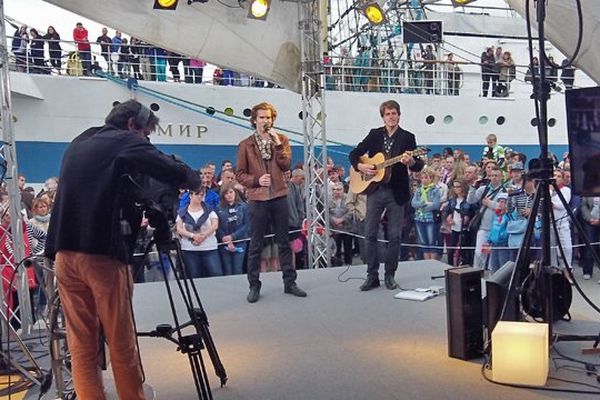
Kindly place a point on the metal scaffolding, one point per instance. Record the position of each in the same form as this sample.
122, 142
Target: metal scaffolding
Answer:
8, 165
315, 144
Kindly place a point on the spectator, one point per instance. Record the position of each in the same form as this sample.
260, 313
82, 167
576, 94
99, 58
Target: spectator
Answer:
590, 212
457, 215
507, 74
37, 53
135, 49
562, 223
454, 75
426, 202
196, 70
197, 226
488, 62
533, 73
146, 61
340, 221
19, 44
567, 75
174, 59
80, 35
498, 236
297, 214
486, 196
105, 48
234, 222
41, 214
496, 74
493, 151
124, 64
54, 48
429, 67
515, 182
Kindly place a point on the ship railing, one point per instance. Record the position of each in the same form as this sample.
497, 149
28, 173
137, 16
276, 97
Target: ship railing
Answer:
348, 74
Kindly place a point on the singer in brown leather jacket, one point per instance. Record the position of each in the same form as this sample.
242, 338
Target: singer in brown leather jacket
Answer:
262, 159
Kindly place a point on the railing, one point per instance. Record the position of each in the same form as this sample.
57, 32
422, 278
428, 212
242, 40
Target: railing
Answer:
350, 74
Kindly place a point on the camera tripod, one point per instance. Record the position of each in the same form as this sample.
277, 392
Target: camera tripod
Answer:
201, 339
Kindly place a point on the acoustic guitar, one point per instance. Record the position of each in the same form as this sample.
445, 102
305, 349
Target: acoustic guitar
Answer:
362, 183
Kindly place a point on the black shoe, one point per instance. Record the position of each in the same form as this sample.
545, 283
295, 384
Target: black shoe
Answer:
254, 294
294, 290
390, 283
370, 283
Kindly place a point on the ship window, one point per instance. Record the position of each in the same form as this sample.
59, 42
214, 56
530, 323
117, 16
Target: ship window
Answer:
500, 120
247, 112
300, 115
430, 119
534, 122
154, 107
483, 120
228, 111
210, 110
448, 119
115, 103
551, 122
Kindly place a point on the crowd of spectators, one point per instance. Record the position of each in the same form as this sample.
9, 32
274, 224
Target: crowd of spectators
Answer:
462, 211
117, 55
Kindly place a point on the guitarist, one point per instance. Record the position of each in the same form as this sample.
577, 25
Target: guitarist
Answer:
389, 196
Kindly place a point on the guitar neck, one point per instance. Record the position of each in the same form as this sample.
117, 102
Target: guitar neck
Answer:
394, 160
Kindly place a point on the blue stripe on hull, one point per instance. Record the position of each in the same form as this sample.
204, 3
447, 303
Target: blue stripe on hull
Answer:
40, 160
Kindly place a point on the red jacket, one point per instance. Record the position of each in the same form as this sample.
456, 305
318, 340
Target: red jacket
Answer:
81, 37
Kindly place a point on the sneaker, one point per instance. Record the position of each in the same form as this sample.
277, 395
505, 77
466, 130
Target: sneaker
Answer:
587, 277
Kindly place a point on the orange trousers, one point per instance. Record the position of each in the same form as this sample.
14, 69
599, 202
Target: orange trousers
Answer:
97, 289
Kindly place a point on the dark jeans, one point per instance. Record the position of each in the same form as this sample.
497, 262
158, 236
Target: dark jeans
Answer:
233, 262
274, 211
378, 201
86, 60
593, 234
200, 264
485, 79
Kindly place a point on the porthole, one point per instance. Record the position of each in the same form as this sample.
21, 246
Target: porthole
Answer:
483, 120
500, 120
430, 119
534, 122
154, 107
247, 112
210, 110
228, 111
448, 119
551, 122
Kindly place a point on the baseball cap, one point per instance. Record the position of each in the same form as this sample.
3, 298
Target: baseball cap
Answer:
516, 165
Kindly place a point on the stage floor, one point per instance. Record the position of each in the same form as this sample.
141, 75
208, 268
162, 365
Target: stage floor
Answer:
338, 343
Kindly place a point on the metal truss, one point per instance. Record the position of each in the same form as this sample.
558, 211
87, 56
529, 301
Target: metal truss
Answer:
8, 168
315, 140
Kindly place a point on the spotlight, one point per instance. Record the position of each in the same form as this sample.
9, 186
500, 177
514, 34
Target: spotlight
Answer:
373, 11
259, 9
460, 3
165, 4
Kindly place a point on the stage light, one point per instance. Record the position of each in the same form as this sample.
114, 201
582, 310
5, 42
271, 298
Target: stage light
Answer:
373, 11
259, 9
460, 3
165, 4
520, 353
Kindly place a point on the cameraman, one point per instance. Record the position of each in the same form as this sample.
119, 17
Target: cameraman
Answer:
92, 232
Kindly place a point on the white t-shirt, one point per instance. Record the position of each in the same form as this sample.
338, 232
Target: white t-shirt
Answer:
210, 243
456, 217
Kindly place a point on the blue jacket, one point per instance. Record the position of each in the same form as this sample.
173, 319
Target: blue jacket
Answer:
234, 221
423, 212
212, 199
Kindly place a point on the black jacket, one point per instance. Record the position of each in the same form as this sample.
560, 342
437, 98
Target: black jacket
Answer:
373, 144
91, 202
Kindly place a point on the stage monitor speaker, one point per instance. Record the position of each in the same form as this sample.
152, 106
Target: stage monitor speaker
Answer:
496, 287
422, 31
464, 313
583, 126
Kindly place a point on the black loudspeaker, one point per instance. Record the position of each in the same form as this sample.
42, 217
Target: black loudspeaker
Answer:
422, 31
464, 313
583, 123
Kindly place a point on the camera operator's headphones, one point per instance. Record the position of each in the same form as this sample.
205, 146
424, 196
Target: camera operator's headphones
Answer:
142, 117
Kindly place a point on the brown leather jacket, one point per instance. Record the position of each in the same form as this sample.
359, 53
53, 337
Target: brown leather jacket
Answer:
250, 167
